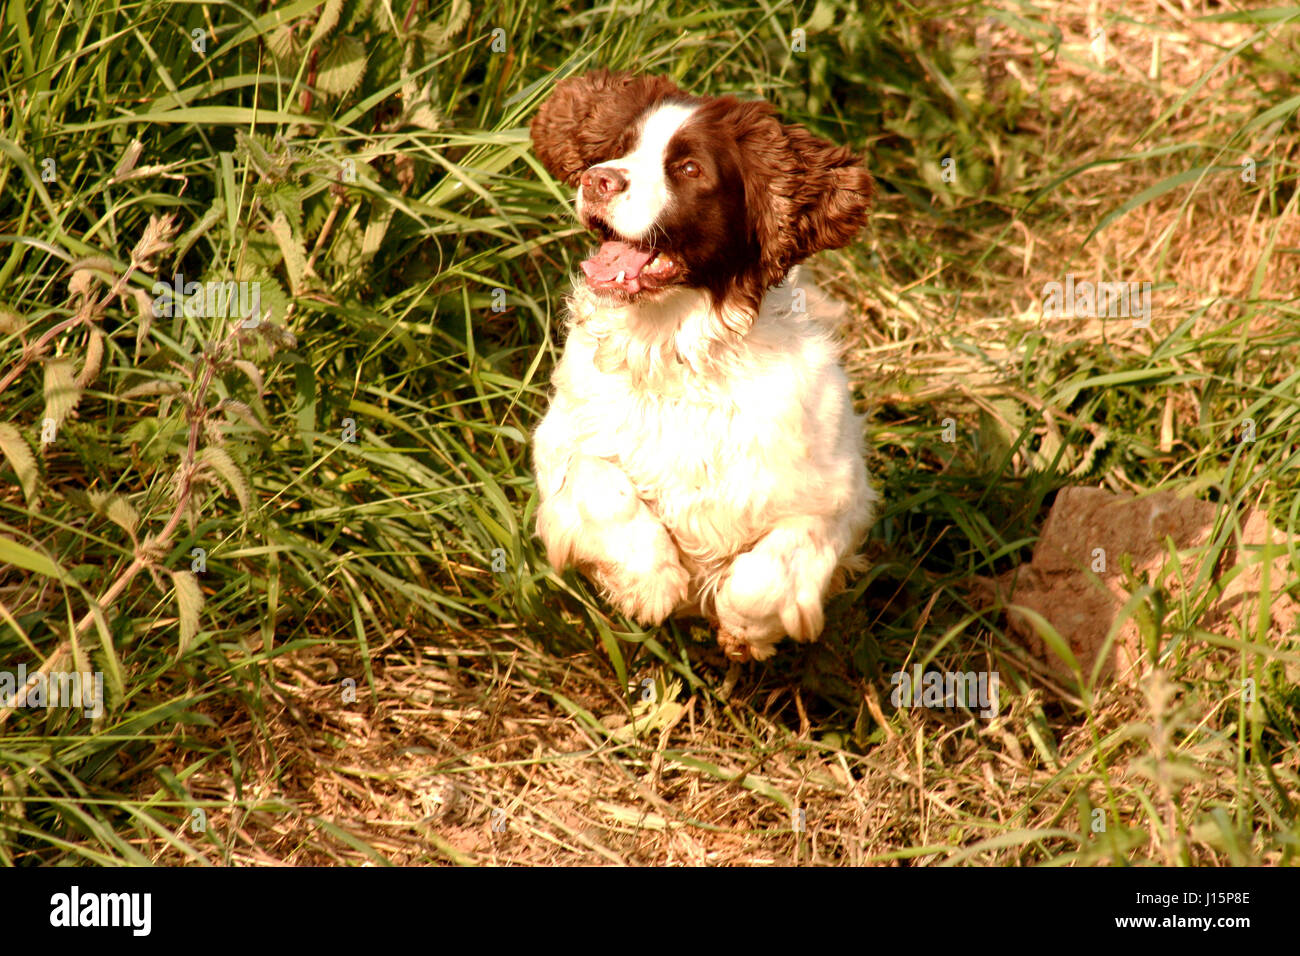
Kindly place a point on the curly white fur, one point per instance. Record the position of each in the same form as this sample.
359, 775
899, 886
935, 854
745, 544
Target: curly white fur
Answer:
694, 462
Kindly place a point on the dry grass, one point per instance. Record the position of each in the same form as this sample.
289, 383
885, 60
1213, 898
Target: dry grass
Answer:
488, 748
519, 745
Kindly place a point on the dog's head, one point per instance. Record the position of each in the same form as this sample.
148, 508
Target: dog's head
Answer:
712, 193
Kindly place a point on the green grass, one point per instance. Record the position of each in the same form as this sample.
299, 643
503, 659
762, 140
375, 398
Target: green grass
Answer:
353, 468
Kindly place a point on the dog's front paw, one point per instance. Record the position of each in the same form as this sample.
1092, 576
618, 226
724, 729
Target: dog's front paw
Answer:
649, 599
734, 645
776, 589
649, 582
749, 642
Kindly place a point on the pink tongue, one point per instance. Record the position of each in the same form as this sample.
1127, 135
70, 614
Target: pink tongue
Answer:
613, 258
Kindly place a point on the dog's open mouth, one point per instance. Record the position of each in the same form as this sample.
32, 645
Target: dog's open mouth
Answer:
622, 266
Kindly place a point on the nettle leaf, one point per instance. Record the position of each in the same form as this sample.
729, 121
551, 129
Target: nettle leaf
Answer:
342, 69
219, 461
295, 256
21, 460
375, 230
282, 45
130, 157
144, 315
116, 508
286, 199
94, 359
458, 17
345, 244
273, 296
121, 513
261, 254
61, 391
252, 371
98, 500
440, 35
234, 408
153, 387
1099, 441
329, 19
271, 159
248, 149
107, 656
81, 282
315, 212
189, 605
87, 272
424, 115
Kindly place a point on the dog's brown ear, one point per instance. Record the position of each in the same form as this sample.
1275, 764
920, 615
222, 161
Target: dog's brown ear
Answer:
588, 119
807, 194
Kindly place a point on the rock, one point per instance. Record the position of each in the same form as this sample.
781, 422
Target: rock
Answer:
1076, 583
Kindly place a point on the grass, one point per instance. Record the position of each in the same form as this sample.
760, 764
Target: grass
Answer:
301, 554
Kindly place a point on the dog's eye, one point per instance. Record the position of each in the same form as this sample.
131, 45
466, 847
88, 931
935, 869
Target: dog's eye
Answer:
690, 168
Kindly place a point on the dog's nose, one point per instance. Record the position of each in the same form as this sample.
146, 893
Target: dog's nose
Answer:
602, 182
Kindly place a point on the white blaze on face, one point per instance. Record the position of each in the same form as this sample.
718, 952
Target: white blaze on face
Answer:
632, 212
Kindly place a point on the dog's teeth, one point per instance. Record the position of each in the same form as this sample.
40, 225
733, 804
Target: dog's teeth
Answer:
621, 274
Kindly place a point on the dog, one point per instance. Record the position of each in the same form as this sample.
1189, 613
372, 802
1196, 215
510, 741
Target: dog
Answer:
701, 455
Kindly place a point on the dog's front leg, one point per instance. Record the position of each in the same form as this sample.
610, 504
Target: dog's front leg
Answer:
590, 516
779, 586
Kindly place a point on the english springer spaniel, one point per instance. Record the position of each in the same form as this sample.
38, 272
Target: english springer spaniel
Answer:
701, 455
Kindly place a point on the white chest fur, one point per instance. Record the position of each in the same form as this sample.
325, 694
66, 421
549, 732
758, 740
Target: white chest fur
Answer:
720, 436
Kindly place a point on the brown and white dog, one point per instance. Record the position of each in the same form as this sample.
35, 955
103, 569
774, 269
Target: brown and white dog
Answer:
701, 454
